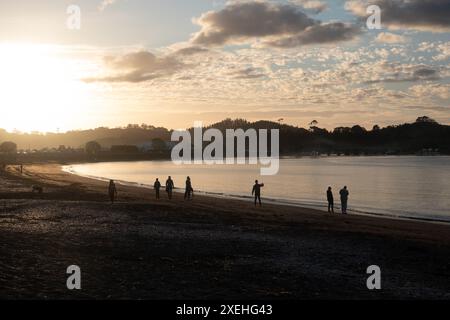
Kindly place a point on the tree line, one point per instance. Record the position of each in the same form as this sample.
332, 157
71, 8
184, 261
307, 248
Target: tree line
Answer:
423, 135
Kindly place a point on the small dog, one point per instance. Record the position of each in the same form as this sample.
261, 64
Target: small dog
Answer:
38, 189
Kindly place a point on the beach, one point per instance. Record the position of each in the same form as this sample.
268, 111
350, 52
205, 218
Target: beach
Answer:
208, 248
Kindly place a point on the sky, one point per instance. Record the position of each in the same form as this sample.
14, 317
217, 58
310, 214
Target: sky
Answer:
173, 62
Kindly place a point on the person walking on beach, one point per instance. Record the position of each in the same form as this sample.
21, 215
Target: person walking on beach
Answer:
157, 186
189, 189
344, 199
169, 187
112, 191
257, 192
330, 199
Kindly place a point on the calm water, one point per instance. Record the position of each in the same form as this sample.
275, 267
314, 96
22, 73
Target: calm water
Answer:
401, 186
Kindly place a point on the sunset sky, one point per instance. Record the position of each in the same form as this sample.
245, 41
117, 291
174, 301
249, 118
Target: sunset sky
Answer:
172, 62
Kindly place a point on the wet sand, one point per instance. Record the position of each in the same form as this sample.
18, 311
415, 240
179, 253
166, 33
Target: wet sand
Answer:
208, 248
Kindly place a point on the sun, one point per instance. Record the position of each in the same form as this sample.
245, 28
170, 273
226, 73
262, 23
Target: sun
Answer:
41, 88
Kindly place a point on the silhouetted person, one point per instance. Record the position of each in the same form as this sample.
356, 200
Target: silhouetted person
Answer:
157, 186
330, 199
169, 187
112, 191
344, 199
21, 169
257, 191
189, 189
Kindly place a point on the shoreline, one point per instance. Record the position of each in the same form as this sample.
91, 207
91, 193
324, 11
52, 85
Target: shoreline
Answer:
208, 248
54, 175
273, 201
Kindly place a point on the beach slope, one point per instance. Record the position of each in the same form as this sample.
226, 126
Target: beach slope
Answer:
209, 248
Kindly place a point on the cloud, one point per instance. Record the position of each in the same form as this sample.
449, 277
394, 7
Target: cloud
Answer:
318, 34
412, 73
138, 67
444, 52
314, 6
105, 3
441, 91
387, 37
189, 51
280, 25
247, 73
427, 108
422, 15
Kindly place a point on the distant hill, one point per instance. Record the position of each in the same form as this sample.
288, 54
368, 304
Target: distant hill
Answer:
107, 137
423, 136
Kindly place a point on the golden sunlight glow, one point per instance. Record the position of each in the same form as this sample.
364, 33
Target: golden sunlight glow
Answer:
40, 88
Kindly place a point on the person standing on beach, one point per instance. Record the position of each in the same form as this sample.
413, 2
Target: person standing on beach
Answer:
257, 192
344, 199
112, 191
189, 189
330, 199
169, 187
157, 186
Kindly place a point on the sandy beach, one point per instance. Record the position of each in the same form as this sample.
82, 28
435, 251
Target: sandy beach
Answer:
209, 248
